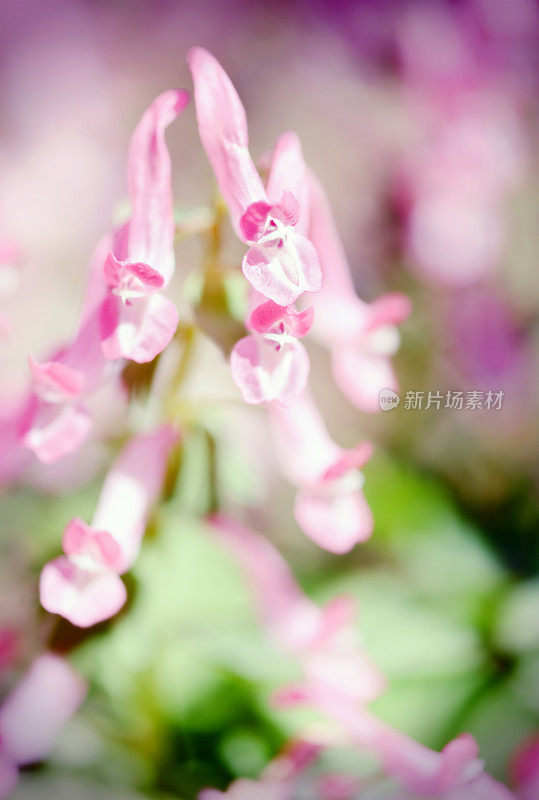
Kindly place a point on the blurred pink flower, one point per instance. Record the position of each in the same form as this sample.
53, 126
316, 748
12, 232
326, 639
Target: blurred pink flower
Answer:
282, 263
324, 639
361, 337
330, 506
84, 584
138, 322
33, 714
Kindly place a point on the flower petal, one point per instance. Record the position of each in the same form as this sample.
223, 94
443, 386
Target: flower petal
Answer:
361, 377
267, 315
263, 373
139, 331
84, 597
334, 522
55, 382
283, 273
288, 176
151, 227
79, 539
33, 714
223, 132
64, 433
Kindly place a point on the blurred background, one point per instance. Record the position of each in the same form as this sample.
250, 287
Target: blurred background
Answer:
421, 120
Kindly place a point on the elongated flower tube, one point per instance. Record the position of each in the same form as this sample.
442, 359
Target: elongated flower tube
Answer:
361, 337
137, 321
84, 585
323, 639
34, 713
421, 773
270, 363
281, 263
330, 506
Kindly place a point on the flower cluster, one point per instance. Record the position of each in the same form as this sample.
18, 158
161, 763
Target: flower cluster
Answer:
300, 285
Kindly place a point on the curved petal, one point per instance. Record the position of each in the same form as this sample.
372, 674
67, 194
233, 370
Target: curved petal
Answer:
42, 702
288, 174
84, 597
283, 273
267, 315
334, 522
151, 227
223, 132
99, 547
55, 382
139, 331
56, 438
390, 309
263, 373
361, 377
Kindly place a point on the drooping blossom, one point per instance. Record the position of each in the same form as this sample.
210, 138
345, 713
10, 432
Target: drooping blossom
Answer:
55, 420
419, 772
330, 506
84, 585
361, 337
323, 639
270, 363
281, 262
137, 320
34, 713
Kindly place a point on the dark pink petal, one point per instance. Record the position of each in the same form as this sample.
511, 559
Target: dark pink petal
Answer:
283, 273
352, 459
55, 382
253, 221
223, 131
391, 309
264, 371
32, 716
137, 274
268, 315
139, 331
151, 227
63, 434
361, 376
84, 597
335, 522
97, 546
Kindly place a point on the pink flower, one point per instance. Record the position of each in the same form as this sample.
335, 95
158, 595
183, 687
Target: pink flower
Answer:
454, 774
84, 585
55, 421
137, 321
361, 337
324, 639
330, 506
32, 716
281, 263
271, 364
